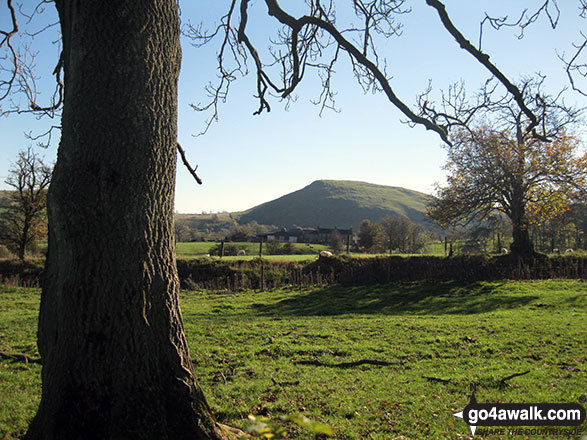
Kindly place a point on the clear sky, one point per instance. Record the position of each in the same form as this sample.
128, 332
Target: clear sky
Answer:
245, 160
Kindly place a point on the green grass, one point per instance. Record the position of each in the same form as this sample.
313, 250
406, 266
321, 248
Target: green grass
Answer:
291, 258
355, 358
20, 383
198, 249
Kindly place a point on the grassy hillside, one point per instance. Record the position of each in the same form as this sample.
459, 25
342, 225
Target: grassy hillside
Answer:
329, 203
4, 199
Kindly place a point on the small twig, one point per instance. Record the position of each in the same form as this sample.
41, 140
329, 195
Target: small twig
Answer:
20, 357
187, 164
505, 379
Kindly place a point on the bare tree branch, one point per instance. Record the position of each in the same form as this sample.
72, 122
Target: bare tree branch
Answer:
314, 40
17, 68
575, 66
187, 164
46, 135
484, 60
11, 57
525, 20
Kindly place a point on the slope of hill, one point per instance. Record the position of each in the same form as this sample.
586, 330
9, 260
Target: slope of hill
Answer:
340, 203
5, 199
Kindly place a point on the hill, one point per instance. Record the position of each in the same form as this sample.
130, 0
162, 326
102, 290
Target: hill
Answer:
340, 203
5, 199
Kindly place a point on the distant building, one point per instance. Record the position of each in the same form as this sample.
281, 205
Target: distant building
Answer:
307, 235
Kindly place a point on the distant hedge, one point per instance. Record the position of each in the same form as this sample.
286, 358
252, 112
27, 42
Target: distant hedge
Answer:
459, 268
27, 273
236, 275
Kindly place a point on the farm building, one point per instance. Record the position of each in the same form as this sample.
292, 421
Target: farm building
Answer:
307, 235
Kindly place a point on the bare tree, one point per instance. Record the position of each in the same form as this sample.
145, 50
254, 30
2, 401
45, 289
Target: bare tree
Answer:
335, 242
24, 221
404, 235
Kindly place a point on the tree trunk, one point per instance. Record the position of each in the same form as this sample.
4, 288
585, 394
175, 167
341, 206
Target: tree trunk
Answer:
522, 245
23, 239
115, 358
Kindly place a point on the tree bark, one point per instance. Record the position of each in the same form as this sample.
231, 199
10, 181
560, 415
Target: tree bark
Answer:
115, 358
521, 244
24, 238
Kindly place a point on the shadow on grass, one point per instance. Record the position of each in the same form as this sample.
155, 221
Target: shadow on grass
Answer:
395, 299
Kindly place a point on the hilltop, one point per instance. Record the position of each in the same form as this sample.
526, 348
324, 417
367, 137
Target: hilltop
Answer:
340, 203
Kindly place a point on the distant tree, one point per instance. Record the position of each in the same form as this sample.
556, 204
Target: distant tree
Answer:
476, 240
499, 165
567, 230
336, 242
240, 233
397, 230
371, 237
577, 216
257, 229
273, 247
230, 250
25, 220
500, 228
404, 235
288, 248
182, 232
419, 239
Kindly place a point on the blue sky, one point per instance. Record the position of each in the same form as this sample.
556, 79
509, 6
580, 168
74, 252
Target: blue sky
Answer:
246, 160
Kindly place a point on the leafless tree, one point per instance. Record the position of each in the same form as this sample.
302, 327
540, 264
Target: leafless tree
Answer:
24, 220
404, 235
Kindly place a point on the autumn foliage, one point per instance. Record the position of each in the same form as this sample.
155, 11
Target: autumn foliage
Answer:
527, 179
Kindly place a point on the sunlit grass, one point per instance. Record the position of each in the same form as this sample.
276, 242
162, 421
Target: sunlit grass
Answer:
363, 360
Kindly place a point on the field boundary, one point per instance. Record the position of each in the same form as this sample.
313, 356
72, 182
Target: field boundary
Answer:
261, 274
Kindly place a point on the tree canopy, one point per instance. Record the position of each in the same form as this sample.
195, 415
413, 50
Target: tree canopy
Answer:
497, 165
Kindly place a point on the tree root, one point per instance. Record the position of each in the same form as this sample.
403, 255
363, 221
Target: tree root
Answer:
231, 433
20, 358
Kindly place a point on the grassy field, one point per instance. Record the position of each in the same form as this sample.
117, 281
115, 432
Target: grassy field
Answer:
381, 362
198, 249
188, 250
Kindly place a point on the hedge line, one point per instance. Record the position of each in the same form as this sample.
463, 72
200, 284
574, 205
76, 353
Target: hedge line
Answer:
218, 275
258, 274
